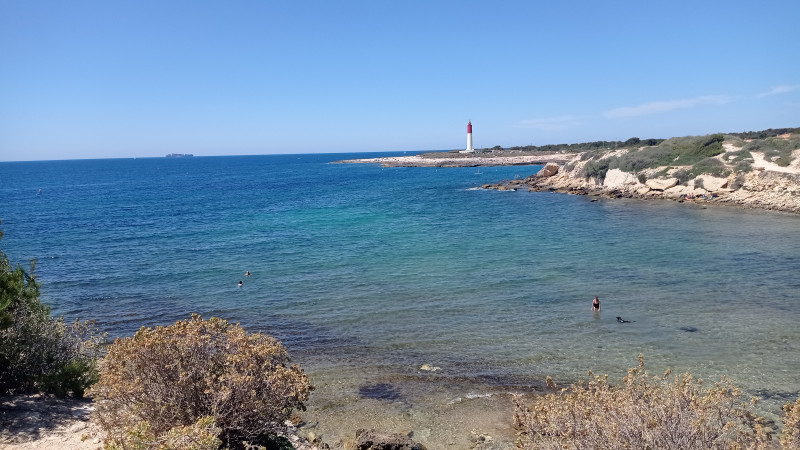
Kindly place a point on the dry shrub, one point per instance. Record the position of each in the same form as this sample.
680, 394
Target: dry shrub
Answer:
163, 379
202, 435
790, 438
642, 413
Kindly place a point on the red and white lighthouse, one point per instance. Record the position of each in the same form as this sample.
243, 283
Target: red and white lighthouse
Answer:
469, 139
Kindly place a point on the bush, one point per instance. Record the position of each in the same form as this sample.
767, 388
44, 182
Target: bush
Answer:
39, 353
173, 376
790, 438
596, 169
738, 182
642, 413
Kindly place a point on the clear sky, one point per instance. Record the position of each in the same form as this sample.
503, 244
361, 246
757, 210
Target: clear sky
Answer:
113, 78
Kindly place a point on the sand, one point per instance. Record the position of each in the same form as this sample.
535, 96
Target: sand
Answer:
42, 422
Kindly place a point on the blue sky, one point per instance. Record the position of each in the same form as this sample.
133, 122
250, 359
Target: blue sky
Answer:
107, 79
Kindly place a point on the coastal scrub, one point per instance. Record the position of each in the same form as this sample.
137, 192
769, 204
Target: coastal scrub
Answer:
205, 377
644, 412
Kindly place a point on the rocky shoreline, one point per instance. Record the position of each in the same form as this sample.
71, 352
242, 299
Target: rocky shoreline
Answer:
760, 188
767, 186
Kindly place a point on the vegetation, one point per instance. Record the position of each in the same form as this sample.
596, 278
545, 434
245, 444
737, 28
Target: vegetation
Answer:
776, 150
633, 142
790, 438
647, 412
765, 133
596, 168
39, 353
200, 378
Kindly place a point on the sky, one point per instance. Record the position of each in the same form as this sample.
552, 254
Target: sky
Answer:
121, 79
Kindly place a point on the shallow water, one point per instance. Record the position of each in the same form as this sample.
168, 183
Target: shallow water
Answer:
362, 269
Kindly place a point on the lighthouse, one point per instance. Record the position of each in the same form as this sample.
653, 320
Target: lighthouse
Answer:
469, 149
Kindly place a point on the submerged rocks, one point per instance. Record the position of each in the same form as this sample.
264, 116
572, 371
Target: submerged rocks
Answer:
378, 440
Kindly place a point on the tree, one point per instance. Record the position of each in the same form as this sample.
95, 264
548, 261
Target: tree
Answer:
39, 352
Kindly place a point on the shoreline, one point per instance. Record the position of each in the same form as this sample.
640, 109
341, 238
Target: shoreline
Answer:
449, 159
766, 187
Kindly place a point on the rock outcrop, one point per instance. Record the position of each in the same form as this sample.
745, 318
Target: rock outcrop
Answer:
661, 184
548, 170
765, 189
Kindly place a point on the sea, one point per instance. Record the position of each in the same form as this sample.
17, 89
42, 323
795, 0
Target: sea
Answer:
408, 293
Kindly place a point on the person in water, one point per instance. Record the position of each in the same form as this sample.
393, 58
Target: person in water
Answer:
596, 304
240, 283
247, 273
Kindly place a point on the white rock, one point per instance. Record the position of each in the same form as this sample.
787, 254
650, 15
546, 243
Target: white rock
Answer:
677, 191
713, 183
662, 184
548, 170
616, 178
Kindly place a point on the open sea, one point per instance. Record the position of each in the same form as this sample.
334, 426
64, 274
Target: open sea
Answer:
368, 273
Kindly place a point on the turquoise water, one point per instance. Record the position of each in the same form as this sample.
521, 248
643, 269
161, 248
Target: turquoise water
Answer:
362, 268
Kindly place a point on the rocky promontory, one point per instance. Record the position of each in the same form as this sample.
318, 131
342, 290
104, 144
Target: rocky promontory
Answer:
751, 169
765, 185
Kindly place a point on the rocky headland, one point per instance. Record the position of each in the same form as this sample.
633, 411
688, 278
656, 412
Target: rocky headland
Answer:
711, 170
765, 186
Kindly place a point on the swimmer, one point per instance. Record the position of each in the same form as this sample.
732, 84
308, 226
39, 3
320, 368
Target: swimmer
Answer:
240, 283
247, 274
596, 304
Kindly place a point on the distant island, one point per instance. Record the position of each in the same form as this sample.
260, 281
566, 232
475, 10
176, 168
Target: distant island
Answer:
179, 155
757, 169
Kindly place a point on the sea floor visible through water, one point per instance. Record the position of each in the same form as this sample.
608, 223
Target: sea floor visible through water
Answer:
366, 274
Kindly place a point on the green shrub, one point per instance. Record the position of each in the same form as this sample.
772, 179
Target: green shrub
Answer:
40, 353
596, 169
642, 178
710, 166
641, 413
738, 182
682, 176
777, 150
675, 151
173, 376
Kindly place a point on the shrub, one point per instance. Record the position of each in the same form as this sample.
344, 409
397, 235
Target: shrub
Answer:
738, 182
39, 352
173, 376
202, 435
596, 169
790, 438
710, 166
642, 413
